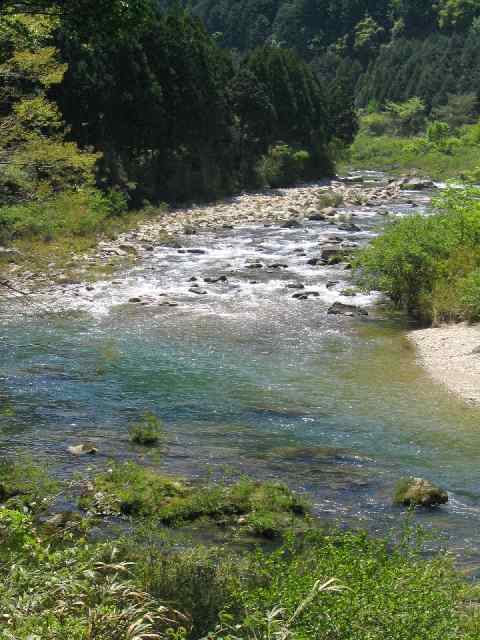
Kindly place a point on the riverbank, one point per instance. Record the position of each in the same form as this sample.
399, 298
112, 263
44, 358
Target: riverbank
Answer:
451, 355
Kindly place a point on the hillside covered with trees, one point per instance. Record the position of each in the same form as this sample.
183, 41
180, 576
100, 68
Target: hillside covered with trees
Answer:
395, 49
109, 107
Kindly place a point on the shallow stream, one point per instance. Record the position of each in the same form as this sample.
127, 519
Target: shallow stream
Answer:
247, 379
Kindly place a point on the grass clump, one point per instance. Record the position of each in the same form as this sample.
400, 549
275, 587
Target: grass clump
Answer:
429, 265
260, 508
147, 432
25, 485
330, 199
73, 591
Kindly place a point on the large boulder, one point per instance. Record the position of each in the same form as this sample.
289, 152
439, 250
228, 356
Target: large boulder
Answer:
417, 492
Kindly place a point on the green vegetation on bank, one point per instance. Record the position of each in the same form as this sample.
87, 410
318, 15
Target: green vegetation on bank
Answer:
58, 582
403, 137
142, 109
430, 265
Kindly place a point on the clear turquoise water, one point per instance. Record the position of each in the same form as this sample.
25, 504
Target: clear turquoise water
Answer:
247, 380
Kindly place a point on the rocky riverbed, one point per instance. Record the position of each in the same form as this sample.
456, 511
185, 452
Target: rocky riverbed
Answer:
339, 204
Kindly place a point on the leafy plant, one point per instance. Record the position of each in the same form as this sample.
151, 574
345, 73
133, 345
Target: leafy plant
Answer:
282, 166
147, 432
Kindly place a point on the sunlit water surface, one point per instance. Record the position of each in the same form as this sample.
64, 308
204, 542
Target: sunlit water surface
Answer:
247, 380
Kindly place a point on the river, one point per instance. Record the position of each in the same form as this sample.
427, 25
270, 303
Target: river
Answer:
247, 379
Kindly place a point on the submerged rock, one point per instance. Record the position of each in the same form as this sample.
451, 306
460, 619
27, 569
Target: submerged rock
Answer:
293, 223
196, 289
83, 449
215, 280
341, 309
417, 492
316, 216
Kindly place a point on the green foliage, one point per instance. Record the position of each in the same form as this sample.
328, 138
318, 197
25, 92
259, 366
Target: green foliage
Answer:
130, 489
439, 154
147, 432
146, 585
26, 485
282, 166
408, 117
458, 110
377, 123
425, 264
73, 592
470, 296
347, 586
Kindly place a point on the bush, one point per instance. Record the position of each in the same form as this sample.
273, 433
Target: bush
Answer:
148, 432
282, 166
330, 199
377, 124
408, 117
470, 296
458, 111
425, 264
349, 586
70, 213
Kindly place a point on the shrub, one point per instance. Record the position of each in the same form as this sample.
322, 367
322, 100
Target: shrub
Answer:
377, 124
282, 166
424, 264
470, 296
408, 117
148, 432
330, 199
347, 586
458, 111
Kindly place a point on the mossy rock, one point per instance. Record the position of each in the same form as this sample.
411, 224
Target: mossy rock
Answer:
136, 491
417, 492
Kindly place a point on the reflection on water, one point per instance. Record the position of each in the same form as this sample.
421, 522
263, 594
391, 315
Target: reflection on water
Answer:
246, 378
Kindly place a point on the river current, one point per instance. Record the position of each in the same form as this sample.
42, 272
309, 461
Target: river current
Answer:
247, 379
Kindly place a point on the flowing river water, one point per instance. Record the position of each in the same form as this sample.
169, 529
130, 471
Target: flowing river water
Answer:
246, 378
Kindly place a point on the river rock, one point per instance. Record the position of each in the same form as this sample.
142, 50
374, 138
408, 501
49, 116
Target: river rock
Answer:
329, 212
350, 310
316, 216
417, 184
64, 520
83, 449
349, 227
417, 492
329, 252
198, 252
305, 295
293, 223
278, 265
295, 285
215, 280
331, 284
198, 290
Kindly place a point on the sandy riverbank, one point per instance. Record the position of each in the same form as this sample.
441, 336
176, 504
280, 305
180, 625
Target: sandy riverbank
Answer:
451, 354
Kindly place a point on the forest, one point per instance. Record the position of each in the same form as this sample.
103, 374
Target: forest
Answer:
109, 108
